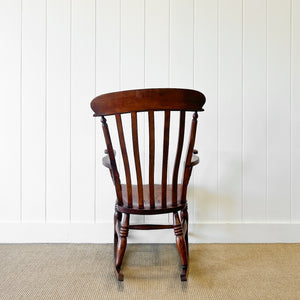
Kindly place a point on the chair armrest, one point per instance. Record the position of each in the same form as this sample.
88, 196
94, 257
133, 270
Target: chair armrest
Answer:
106, 160
195, 158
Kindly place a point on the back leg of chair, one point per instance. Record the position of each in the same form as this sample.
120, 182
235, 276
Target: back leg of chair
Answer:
121, 245
181, 245
185, 226
117, 224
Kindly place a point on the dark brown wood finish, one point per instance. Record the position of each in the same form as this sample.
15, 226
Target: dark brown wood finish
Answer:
113, 166
181, 245
188, 167
147, 210
165, 159
125, 158
150, 198
147, 99
151, 157
178, 156
135, 141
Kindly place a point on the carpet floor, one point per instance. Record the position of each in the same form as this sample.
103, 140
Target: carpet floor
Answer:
85, 271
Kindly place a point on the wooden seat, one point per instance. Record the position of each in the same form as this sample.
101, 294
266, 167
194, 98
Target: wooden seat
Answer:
147, 210
147, 198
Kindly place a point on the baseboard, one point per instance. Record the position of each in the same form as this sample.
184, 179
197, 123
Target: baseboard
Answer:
103, 232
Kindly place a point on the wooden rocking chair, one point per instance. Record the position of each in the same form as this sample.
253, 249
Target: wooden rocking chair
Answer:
151, 198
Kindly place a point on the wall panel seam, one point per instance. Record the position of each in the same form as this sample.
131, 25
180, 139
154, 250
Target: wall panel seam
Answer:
267, 120
120, 44
193, 44
46, 103
193, 177
144, 41
169, 44
21, 119
291, 83
243, 119
218, 110
95, 123
70, 116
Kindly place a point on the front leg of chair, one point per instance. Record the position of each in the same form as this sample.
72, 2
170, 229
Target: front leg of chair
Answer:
181, 245
121, 246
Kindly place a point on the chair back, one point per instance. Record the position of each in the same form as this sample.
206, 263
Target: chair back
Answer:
149, 101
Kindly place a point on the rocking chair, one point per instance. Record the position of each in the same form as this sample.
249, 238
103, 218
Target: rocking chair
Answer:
150, 198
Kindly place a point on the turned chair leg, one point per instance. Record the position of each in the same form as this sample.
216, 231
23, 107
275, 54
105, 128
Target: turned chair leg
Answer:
121, 246
181, 245
185, 225
117, 221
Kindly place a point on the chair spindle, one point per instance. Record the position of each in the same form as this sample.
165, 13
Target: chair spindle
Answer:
151, 157
125, 158
112, 159
136, 153
178, 156
188, 168
165, 160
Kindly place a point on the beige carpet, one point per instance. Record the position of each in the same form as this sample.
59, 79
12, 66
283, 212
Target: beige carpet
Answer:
85, 271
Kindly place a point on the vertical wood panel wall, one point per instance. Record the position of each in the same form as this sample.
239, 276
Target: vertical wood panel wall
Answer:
56, 55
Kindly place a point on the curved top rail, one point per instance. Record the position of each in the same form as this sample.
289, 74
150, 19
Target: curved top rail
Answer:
147, 99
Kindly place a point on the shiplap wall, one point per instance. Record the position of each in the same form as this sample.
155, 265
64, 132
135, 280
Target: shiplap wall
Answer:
56, 55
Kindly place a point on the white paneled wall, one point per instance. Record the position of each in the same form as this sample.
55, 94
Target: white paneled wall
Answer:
10, 111
33, 110
255, 104
295, 108
56, 55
